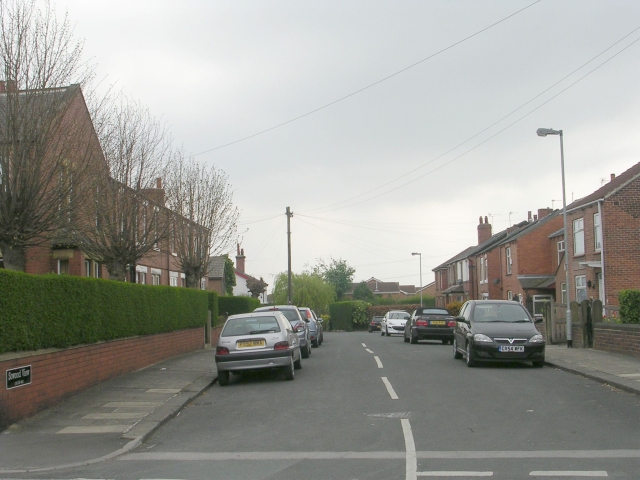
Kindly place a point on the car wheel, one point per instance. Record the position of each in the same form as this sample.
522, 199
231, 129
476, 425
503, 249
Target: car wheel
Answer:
298, 363
414, 339
223, 379
288, 371
388, 333
445, 341
314, 343
456, 354
382, 332
470, 361
306, 352
404, 336
538, 363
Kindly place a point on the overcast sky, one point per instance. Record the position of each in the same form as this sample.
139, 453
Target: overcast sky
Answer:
384, 172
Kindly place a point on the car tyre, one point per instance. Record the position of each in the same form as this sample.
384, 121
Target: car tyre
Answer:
306, 352
382, 332
538, 363
456, 354
445, 341
406, 339
470, 361
414, 339
289, 371
387, 332
223, 379
298, 363
315, 343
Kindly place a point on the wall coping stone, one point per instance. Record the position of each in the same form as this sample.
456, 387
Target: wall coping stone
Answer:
629, 327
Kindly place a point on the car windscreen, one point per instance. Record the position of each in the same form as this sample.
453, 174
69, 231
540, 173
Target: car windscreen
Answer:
399, 315
431, 311
250, 326
493, 312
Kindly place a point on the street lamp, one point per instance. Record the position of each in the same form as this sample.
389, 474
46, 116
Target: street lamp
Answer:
543, 132
419, 254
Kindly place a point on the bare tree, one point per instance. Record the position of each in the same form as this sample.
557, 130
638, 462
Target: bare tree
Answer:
48, 148
205, 220
130, 215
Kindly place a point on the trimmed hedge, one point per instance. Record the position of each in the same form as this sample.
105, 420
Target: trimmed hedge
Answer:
58, 311
235, 305
629, 306
213, 307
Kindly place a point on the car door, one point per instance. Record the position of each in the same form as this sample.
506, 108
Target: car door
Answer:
461, 329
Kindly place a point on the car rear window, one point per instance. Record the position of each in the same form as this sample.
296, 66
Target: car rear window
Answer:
250, 326
432, 311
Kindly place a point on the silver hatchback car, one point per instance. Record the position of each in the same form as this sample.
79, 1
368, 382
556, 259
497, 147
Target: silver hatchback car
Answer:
255, 341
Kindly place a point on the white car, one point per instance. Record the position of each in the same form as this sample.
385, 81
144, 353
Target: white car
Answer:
393, 322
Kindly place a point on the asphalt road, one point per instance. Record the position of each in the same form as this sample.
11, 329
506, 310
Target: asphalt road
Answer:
370, 407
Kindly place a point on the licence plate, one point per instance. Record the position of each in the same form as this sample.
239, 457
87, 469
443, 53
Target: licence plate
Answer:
437, 322
511, 348
251, 343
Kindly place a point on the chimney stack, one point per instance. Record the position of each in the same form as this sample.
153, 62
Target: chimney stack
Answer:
159, 183
544, 212
529, 216
240, 259
613, 175
484, 230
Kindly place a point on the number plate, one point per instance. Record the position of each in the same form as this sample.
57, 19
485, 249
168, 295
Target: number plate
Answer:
511, 348
437, 322
251, 343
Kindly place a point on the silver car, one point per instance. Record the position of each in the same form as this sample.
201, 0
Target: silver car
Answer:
255, 341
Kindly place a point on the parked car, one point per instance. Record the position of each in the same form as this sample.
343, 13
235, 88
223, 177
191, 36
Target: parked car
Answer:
375, 322
497, 331
255, 341
393, 322
300, 327
430, 323
315, 328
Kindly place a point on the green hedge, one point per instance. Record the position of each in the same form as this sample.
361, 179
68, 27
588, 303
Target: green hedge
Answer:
629, 306
348, 315
57, 311
235, 305
213, 307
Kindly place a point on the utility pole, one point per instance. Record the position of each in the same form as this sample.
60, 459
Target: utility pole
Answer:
289, 214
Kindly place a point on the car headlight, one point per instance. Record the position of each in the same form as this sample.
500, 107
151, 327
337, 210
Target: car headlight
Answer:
537, 339
481, 337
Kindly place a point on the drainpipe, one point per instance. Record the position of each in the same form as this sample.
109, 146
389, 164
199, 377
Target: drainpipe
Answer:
604, 287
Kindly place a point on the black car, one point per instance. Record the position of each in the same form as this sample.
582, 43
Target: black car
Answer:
374, 324
497, 331
430, 323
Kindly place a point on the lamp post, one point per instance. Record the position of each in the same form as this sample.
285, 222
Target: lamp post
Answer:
420, 255
543, 132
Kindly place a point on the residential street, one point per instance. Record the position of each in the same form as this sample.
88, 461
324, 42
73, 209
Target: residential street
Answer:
339, 419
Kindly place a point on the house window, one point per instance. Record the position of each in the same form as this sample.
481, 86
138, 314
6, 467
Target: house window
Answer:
465, 270
141, 278
173, 281
509, 295
203, 284
597, 232
63, 267
96, 269
581, 288
486, 270
87, 267
578, 236
560, 251
509, 261
155, 278
563, 290
459, 271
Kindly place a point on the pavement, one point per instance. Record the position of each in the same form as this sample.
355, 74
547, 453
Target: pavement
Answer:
117, 416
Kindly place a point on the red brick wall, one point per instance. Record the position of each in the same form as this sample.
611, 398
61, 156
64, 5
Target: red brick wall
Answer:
57, 374
616, 338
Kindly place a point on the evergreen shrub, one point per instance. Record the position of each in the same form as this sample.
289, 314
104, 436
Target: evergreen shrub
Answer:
629, 306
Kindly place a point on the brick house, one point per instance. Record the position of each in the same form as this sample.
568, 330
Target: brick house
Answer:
385, 289
58, 254
241, 288
604, 242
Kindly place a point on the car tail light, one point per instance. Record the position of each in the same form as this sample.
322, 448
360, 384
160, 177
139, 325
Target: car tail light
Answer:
222, 351
299, 328
281, 346
451, 323
421, 322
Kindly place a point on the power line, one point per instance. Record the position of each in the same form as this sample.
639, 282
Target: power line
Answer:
370, 85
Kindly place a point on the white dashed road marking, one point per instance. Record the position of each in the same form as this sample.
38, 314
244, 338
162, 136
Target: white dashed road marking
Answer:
392, 393
370, 351
455, 474
378, 361
364, 345
560, 473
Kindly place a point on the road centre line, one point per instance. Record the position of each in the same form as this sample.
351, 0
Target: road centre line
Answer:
445, 473
364, 345
568, 473
378, 361
387, 384
411, 460
387, 455
370, 351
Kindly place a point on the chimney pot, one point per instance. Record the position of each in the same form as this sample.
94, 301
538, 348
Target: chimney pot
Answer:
529, 215
535, 218
486, 220
480, 220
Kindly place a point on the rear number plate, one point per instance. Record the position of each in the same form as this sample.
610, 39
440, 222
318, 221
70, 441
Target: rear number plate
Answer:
251, 343
510, 348
437, 322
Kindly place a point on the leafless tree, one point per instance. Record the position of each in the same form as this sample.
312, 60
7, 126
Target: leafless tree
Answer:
131, 219
205, 220
48, 148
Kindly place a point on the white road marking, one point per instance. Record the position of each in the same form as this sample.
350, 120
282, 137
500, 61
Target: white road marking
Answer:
164, 390
364, 345
388, 455
114, 416
370, 351
455, 474
96, 429
389, 388
629, 375
410, 446
560, 473
390, 415
378, 362
132, 404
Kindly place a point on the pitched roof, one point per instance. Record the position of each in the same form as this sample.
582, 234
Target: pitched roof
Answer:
530, 227
216, 266
609, 188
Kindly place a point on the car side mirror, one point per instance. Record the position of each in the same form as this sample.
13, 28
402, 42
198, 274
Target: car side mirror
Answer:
461, 319
538, 319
